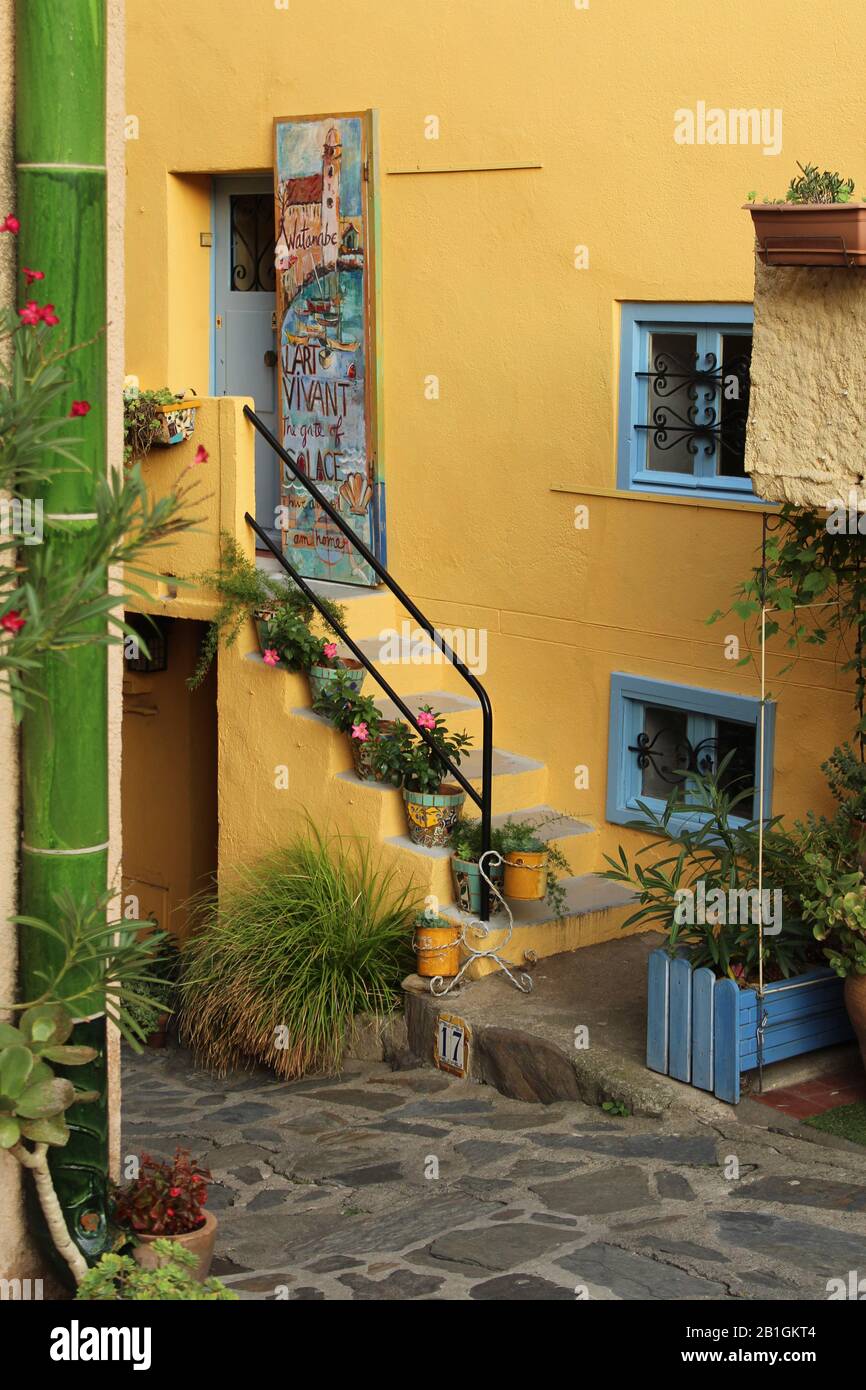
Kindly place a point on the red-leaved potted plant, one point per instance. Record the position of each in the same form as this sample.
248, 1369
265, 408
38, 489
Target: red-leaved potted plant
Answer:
167, 1199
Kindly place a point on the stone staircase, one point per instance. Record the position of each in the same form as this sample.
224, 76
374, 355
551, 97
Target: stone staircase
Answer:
417, 671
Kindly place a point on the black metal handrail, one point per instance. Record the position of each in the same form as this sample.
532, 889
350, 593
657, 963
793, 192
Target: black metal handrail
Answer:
484, 799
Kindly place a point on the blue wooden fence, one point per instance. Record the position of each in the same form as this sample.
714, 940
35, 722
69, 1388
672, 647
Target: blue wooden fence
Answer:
704, 1031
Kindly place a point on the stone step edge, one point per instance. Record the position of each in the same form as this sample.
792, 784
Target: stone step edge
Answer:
525, 1067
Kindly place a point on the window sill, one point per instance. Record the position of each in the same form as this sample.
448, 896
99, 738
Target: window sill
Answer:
672, 499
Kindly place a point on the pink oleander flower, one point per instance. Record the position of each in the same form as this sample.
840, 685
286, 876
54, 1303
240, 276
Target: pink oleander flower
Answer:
427, 720
12, 621
360, 732
271, 656
47, 315
10, 224
80, 408
201, 454
330, 650
31, 313
31, 275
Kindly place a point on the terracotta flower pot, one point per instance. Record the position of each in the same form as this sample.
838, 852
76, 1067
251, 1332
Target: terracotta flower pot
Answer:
199, 1242
855, 1003
526, 874
431, 816
321, 676
816, 234
159, 1035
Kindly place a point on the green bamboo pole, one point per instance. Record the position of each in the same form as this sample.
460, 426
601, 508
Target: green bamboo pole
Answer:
60, 154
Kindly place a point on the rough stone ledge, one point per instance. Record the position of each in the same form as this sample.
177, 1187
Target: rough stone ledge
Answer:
529, 1068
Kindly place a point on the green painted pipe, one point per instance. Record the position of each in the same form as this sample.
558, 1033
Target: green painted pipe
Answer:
60, 155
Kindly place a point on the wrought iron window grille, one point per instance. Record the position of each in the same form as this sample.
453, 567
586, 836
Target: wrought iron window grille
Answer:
699, 759
709, 404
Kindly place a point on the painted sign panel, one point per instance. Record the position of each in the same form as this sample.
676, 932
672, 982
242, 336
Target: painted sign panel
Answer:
326, 316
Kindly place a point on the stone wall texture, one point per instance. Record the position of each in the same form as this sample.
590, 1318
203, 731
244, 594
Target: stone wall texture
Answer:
806, 438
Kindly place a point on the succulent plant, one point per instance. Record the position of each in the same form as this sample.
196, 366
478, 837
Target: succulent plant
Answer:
33, 1101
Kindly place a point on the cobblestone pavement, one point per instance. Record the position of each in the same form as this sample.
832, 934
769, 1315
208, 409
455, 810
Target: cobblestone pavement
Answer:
382, 1184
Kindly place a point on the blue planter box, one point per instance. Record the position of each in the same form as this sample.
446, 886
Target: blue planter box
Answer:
704, 1031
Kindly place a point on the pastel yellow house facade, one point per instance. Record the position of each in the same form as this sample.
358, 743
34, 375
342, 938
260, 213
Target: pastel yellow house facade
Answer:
550, 222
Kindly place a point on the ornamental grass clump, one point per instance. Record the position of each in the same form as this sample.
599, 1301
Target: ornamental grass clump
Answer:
279, 966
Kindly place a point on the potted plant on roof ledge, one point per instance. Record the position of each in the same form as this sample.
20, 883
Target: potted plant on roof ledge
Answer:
816, 224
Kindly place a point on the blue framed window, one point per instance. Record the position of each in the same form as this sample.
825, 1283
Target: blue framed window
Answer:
684, 399
660, 731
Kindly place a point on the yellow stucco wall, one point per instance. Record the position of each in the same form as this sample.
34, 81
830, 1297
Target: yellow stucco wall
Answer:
481, 290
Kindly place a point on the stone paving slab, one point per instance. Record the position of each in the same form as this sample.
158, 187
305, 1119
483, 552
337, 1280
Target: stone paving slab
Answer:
416, 1186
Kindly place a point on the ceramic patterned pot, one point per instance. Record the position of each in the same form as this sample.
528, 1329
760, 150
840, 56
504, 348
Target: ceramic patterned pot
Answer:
321, 676
432, 816
177, 422
362, 752
467, 884
200, 1243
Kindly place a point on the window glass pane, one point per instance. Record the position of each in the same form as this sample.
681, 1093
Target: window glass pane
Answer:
252, 242
663, 745
672, 363
741, 740
736, 358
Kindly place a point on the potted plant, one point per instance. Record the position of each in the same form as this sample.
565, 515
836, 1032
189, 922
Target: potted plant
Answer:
533, 865
465, 844
846, 778
436, 942
167, 1201
838, 916
325, 664
358, 717
816, 223
285, 618
433, 806
154, 417
706, 1022
121, 1278
148, 1016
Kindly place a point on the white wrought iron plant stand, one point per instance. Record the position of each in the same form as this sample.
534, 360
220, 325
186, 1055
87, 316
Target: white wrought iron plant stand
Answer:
482, 930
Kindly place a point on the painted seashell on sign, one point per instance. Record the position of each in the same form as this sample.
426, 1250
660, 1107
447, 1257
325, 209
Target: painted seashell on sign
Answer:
356, 493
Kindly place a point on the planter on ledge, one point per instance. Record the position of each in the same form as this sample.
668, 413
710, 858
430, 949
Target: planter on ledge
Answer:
432, 816
703, 1030
321, 676
467, 884
177, 421
813, 234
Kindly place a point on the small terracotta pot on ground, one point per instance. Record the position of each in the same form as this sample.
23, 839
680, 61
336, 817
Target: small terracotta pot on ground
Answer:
855, 1003
431, 816
816, 234
159, 1035
199, 1242
526, 874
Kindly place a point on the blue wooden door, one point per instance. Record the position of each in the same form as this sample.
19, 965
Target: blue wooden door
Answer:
244, 356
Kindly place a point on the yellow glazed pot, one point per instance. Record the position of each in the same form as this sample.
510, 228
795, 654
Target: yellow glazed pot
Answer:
437, 949
525, 874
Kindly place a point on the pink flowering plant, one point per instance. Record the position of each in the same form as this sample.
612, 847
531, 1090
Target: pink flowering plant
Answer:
385, 740
423, 767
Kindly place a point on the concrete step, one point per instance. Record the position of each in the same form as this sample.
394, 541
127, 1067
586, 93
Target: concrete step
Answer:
411, 665
594, 911
462, 713
367, 610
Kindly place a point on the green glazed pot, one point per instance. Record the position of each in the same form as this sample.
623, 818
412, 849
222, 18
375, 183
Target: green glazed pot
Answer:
467, 884
321, 676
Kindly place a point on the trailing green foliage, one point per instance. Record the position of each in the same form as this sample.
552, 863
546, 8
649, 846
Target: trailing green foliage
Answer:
142, 422
293, 623
466, 844
120, 1278
846, 778
809, 562
279, 965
